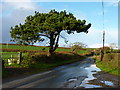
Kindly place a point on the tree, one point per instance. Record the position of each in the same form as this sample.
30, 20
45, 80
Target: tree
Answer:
47, 25
75, 48
77, 45
80, 44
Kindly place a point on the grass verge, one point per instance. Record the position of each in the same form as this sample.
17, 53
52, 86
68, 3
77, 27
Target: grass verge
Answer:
110, 63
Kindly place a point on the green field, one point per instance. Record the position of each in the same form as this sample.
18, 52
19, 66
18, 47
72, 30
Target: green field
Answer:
21, 47
40, 48
8, 55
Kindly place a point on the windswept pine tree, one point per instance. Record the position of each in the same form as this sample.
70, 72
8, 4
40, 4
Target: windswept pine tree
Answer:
47, 25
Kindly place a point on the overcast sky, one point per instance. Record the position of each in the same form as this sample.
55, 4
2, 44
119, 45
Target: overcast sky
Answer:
14, 13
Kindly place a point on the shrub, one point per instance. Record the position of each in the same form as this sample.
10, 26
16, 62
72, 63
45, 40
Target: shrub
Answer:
39, 58
76, 48
26, 60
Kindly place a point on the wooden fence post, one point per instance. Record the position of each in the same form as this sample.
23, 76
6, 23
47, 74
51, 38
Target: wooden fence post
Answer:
3, 64
20, 57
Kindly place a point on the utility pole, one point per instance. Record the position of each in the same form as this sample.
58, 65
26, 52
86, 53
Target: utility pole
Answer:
103, 39
102, 50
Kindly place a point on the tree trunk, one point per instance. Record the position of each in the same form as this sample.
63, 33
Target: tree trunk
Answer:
50, 52
52, 43
52, 40
102, 55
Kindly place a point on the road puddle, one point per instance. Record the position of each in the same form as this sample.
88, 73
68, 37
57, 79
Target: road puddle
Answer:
92, 86
99, 79
92, 69
107, 83
72, 79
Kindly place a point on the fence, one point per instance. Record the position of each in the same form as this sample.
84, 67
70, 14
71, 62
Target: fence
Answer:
11, 57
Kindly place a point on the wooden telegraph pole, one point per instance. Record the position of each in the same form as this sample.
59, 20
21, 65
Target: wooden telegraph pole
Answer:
102, 50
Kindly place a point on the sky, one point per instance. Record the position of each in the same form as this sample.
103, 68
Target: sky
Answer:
14, 13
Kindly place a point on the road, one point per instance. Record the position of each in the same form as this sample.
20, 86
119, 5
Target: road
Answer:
74, 75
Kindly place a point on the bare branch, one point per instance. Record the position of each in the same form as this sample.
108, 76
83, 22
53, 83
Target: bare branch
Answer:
44, 35
65, 39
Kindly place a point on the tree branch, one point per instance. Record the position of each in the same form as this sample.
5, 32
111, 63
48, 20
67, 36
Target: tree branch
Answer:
64, 39
56, 44
44, 35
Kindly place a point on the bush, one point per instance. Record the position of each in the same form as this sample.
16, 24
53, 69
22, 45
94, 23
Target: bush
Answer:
35, 58
98, 50
39, 58
76, 48
26, 60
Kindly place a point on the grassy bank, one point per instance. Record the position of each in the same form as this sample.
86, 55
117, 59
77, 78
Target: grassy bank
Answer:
38, 63
110, 63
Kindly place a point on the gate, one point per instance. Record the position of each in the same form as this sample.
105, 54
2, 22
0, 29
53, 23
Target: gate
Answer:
11, 57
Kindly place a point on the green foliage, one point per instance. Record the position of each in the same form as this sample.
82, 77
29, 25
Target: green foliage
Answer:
48, 25
26, 60
37, 58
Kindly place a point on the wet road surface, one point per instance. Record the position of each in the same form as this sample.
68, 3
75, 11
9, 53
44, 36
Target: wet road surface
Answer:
75, 75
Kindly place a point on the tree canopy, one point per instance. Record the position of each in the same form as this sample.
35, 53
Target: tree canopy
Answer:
48, 25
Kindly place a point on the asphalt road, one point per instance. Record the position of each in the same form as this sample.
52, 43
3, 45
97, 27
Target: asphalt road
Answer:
66, 76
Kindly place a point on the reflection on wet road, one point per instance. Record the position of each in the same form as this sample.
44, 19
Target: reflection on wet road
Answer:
75, 75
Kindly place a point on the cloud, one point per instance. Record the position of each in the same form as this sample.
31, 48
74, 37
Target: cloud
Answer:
8, 5
16, 17
13, 14
111, 36
97, 45
95, 37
